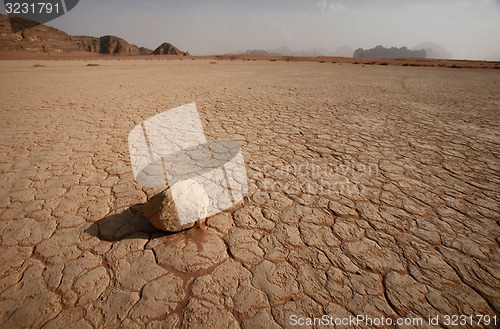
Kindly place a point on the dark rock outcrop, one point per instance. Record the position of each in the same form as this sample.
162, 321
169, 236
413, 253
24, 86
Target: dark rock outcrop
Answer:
169, 49
393, 52
109, 45
112, 45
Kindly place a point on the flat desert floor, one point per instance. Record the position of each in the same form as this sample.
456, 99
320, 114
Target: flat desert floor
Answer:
374, 191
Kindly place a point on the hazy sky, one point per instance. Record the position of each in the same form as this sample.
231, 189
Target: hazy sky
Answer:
467, 28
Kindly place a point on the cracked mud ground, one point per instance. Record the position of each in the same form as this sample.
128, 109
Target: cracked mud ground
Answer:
372, 190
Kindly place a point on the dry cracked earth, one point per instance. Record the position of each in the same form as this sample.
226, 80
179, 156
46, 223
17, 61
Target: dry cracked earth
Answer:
372, 191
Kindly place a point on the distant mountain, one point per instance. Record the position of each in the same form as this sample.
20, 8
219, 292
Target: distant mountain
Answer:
285, 51
433, 50
281, 51
393, 52
45, 39
344, 51
314, 52
257, 52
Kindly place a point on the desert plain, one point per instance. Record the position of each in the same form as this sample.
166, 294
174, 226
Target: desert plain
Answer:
373, 191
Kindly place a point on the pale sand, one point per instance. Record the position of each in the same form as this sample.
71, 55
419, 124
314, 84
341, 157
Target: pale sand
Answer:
372, 191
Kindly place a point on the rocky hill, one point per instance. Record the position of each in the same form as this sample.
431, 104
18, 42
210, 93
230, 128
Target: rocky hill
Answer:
45, 39
169, 49
393, 52
109, 45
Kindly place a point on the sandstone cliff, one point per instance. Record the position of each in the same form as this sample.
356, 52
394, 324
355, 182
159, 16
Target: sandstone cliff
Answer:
41, 38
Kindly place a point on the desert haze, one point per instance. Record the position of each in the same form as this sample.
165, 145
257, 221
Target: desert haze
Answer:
373, 191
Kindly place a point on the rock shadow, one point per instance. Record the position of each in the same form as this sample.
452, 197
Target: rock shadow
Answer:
128, 224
